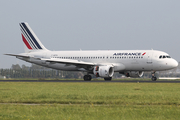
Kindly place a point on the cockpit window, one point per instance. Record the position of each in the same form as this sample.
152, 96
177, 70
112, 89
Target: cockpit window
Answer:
164, 56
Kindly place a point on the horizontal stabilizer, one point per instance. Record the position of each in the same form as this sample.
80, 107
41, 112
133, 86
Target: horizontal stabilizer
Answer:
17, 55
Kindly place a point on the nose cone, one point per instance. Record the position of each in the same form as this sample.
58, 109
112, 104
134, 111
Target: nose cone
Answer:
174, 63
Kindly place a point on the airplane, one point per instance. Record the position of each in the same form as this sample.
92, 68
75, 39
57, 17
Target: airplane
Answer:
101, 63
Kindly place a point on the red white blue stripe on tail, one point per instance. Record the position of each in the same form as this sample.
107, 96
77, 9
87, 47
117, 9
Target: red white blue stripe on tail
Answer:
29, 38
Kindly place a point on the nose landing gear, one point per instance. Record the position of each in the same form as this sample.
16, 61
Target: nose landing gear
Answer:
153, 78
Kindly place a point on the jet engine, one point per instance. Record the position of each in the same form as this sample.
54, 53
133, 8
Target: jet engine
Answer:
103, 71
134, 74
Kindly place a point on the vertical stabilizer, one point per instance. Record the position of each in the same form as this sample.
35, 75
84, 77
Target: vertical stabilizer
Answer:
31, 41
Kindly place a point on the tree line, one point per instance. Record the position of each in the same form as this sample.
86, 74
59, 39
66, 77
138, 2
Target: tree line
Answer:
36, 71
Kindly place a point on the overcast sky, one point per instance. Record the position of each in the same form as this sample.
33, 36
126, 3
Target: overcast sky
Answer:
91, 25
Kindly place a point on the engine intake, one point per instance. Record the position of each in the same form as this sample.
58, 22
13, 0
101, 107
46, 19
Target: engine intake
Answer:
103, 71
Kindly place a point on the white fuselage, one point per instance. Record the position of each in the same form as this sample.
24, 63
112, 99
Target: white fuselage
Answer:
121, 60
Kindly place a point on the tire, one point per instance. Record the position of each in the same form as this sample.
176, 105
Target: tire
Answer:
153, 78
108, 79
87, 78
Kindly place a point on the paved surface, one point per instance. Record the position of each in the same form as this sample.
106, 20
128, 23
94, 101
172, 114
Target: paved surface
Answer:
122, 81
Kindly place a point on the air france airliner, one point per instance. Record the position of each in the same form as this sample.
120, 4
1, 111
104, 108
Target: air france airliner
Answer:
131, 63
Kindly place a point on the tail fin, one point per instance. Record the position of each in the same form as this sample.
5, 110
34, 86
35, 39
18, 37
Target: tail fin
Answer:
31, 41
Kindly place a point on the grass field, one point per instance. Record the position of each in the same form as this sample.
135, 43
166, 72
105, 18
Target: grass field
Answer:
71, 101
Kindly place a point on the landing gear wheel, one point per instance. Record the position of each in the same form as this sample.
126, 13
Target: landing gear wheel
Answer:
153, 78
87, 78
108, 79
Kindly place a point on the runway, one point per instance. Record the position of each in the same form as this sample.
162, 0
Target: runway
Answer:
95, 81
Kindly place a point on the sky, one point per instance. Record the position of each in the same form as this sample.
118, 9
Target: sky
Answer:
91, 25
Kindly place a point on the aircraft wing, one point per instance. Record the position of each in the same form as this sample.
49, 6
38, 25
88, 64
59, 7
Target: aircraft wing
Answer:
69, 61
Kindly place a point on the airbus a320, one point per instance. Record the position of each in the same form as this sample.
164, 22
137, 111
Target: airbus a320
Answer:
131, 63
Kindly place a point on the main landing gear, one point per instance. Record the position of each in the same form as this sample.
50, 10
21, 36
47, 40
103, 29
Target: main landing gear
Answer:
154, 78
87, 78
108, 79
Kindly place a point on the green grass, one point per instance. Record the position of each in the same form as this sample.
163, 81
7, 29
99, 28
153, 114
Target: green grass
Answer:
89, 100
88, 112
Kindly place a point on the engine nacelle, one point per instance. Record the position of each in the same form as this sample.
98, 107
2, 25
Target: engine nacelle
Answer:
134, 74
103, 71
